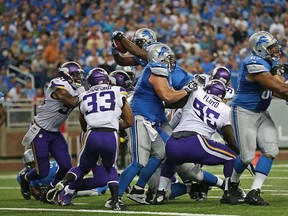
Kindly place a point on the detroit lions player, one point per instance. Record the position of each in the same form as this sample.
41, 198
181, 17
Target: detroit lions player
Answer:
38, 187
203, 113
2, 111
44, 134
139, 47
153, 87
101, 137
251, 121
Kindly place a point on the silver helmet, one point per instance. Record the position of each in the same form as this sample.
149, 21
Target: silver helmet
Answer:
162, 53
144, 36
264, 45
28, 159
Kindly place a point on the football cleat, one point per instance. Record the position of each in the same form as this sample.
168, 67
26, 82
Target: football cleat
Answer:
202, 194
149, 196
138, 196
25, 188
233, 193
253, 198
109, 203
160, 197
65, 199
53, 192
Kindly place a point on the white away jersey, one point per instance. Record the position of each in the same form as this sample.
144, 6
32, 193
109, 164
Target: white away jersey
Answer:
102, 106
52, 113
203, 114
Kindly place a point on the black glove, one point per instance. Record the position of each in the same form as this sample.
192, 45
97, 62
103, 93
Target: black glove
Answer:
280, 69
191, 87
117, 35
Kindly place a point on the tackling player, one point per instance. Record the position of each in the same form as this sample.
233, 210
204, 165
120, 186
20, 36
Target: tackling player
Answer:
44, 134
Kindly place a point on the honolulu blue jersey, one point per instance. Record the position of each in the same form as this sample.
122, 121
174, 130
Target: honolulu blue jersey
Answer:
145, 101
179, 77
43, 182
252, 95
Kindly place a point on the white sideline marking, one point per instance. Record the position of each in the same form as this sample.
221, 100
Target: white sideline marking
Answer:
109, 211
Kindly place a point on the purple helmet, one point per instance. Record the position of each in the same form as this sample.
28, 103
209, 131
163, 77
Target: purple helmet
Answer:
216, 89
97, 76
121, 78
221, 73
72, 73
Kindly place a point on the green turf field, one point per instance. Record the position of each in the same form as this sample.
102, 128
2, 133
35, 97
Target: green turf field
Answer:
275, 191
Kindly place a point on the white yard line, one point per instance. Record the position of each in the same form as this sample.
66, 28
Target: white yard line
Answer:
109, 211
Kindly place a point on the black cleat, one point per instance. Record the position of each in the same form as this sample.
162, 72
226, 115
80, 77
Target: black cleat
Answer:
253, 198
160, 197
233, 192
25, 188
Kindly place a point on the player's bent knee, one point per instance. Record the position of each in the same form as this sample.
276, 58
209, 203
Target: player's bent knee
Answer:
272, 153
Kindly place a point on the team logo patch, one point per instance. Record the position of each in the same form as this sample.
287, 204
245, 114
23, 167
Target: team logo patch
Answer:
147, 34
263, 39
162, 51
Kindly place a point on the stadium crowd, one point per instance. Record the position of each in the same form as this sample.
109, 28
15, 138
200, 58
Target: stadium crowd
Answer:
38, 36
61, 43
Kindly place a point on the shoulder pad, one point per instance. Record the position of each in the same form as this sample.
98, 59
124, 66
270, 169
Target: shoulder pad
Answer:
159, 69
57, 83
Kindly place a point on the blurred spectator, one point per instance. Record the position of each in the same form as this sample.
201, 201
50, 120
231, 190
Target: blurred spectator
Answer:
3, 86
38, 69
11, 82
51, 56
15, 93
29, 91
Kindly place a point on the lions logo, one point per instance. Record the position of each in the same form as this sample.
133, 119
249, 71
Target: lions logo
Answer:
162, 51
147, 33
263, 39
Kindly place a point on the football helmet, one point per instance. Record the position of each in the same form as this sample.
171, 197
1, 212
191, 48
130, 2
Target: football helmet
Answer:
221, 73
144, 36
97, 76
162, 53
264, 45
130, 70
28, 159
121, 78
216, 89
72, 73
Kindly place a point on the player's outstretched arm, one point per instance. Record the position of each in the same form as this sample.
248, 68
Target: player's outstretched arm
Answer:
133, 48
279, 88
166, 94
65, 97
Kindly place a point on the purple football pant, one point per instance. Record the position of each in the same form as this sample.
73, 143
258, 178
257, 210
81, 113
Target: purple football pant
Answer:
99, 179
54, 143
199, 150
98, 144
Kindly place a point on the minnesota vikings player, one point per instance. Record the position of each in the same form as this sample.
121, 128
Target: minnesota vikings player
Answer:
153, 87
44, 134
2, 111
101, 137
38, 187
141, 42
251, 121
203, 113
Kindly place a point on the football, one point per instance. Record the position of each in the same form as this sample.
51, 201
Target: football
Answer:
119, 46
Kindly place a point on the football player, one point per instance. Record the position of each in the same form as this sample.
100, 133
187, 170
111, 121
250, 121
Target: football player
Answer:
203, 113
141, 42
252, 123
44, 134
38, 187
152, 88
101, 135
